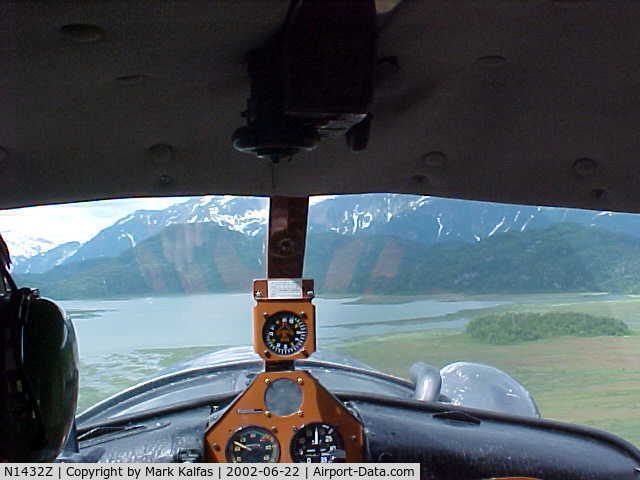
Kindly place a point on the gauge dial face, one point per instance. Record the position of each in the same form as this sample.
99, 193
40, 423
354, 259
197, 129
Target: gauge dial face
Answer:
253, 445
284, 333
317, 443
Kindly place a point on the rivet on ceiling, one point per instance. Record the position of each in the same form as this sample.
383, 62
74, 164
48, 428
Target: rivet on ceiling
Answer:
130, 80
492, 60
161, 153
419, 178
165, 180
599, 193
569, 3
82, 33
434, 159
585, 167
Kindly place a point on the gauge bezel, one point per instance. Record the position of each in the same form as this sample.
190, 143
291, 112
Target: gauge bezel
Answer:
233, 435
265, 309
302, 428
298, 345
283, 404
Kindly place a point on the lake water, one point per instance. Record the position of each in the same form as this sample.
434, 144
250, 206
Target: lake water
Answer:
126, 341
225, 319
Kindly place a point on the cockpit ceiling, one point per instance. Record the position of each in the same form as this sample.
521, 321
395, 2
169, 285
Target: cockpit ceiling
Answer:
534, 102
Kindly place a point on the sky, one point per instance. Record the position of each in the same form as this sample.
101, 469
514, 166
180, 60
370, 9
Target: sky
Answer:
77, 221
74, 221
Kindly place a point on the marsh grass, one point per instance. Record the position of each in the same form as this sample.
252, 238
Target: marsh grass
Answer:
588, 380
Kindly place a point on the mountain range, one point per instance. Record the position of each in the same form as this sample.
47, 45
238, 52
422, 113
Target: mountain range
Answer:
383, 243
24, 247
425, 220
206, 257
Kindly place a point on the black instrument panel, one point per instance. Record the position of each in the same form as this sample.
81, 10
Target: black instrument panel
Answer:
447, 447
471, 444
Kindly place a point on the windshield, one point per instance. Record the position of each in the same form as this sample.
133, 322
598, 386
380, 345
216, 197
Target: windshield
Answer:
548, 295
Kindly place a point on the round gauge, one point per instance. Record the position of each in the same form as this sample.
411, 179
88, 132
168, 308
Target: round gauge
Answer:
317, 443
253, 445
284, 333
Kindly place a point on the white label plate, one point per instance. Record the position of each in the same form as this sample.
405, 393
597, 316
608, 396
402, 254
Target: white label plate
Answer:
285, 288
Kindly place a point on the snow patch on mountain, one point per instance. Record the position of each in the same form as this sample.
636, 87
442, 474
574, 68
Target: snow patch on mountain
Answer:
497, 227
419, 202
69, 253
526, 224
421, 219
130, 237
440, 226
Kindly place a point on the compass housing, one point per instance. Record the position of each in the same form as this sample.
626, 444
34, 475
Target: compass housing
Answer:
285, 333
266, 314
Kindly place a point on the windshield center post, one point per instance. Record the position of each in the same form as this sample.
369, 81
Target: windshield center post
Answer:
284, 317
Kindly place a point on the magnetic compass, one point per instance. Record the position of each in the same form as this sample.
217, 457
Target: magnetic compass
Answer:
284, 333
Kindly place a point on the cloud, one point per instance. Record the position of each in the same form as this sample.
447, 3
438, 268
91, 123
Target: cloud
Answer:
75, 221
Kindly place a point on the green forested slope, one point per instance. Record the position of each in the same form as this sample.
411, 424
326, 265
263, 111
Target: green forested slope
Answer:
195, 258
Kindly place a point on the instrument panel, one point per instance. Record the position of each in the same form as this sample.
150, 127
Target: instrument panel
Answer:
285, 417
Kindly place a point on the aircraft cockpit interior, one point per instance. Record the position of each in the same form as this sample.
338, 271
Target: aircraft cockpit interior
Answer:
517, 107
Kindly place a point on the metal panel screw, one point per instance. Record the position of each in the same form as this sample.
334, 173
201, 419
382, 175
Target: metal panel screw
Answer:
585, 167
434, 159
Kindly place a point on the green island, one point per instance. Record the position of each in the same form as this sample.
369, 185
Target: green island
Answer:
590, 380
516, 327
